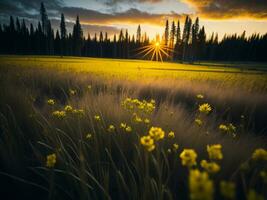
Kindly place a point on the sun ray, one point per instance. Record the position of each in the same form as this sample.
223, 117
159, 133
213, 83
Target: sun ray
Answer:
155, 50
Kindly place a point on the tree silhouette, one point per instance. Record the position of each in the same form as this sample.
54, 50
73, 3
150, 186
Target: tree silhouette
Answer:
192, 45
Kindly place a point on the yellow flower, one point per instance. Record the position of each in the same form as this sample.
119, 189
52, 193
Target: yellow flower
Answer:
89, 136
231, 128
205, 108
175, 146
137, 119
252, 195
156, 133
198, 122
128, 129
259, 154
59, 114
97, 118
68, 108
72, 92
111, 128
200, 186
171, 134
123, 125
51, 102
147, 121
78, 112
147, 142
215, 152
51, 160
223, 128
210, 167
89, 87
263, 175
188, 157
200, 96
227, 189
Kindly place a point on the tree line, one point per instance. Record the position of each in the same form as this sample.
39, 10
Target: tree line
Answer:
189, 44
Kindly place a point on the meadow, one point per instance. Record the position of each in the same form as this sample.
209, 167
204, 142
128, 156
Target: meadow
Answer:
87, 128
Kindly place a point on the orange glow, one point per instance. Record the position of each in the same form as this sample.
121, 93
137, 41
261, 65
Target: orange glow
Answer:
156, 51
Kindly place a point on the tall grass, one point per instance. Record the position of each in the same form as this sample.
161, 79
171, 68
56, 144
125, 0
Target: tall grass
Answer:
94, 163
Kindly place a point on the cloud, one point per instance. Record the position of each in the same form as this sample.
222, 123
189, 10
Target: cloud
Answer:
88, 28
113, 2
227, 9
131, 16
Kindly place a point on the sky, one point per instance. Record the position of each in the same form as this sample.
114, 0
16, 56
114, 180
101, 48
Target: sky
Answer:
219, 16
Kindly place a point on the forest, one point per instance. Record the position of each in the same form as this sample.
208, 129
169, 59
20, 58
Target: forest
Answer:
187, 43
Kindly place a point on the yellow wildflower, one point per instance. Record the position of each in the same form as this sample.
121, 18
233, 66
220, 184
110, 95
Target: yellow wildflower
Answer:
200, 96
111, 128
210, 167
51, 160
200, 186
253, 195
215, 151
68, 108
72, 92
97, 118
188, 157
59, 114
51, 102
259, 154
198, 122
175, 146
263, 175
171, 135
227, 189
89, 136
79, 112
147, 121
128, 129
123, 125
223, 128
137, 119
147, 142
205, 108
156, 133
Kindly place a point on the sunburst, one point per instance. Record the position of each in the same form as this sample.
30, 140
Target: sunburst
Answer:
156, 51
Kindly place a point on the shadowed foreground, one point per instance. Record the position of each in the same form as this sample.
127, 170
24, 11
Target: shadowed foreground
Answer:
110, 129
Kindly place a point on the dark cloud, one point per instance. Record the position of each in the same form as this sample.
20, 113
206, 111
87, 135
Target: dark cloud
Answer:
230, 8
132, 16
113, 2
28, 9
87, 28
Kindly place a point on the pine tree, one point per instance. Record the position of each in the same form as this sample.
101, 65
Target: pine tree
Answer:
63, 30
166, 33
114, 46
77, 37
177, 47
44, 19
172, 35
138, 34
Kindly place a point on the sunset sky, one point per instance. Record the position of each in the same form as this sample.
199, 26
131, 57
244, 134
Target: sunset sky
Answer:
222, 16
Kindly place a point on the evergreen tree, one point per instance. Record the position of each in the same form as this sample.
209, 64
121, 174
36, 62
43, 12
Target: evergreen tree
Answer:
77, 37
166, 33
138, 34
44, 19
172, 35
63, 34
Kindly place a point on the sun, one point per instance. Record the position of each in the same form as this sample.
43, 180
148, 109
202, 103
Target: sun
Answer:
156, 51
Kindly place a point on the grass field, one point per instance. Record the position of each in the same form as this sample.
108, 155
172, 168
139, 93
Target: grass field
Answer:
85, 128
